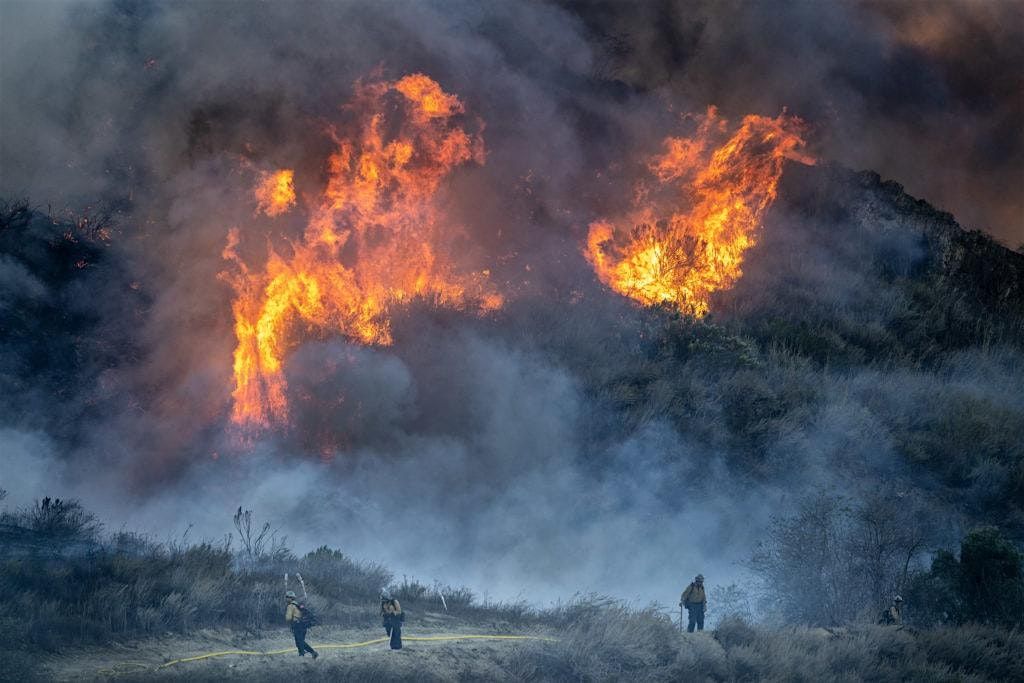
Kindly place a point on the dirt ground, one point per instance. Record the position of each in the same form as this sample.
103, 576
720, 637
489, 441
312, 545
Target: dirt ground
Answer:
443, 660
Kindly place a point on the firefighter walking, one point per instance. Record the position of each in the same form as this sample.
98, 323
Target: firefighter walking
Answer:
393, 618
695, 600
300, 623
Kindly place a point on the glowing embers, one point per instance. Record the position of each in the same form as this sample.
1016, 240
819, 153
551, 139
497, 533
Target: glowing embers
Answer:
375, 238
691, 222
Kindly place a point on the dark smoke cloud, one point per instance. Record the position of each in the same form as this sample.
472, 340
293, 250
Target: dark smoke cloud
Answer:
472, 451
928, 93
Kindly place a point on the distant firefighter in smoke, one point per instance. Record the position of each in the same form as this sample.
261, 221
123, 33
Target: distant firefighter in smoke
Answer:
893, 615
393, 618
695, 600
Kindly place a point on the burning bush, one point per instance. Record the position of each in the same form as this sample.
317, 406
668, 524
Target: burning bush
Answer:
691, 226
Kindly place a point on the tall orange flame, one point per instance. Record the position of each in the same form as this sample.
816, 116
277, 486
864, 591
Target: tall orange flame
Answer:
375, 238
686, 233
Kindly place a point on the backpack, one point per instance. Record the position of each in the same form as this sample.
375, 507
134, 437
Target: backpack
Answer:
307, 617
389, 617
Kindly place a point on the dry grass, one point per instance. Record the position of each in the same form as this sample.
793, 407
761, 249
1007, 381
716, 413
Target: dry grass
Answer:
605, 641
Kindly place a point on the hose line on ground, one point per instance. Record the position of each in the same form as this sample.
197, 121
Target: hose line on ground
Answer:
347, 646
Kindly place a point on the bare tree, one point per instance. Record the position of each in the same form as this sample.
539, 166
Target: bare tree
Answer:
889, 533
254, 540
260, 542
831, 561
802, 563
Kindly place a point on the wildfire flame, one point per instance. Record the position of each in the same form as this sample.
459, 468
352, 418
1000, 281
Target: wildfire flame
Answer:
375, 238
275, 192
687, 232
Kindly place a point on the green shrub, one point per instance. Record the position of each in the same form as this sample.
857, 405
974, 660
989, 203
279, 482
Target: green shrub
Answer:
991, 652
985, 585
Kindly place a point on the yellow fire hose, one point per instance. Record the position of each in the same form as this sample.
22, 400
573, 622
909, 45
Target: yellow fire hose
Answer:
347, 646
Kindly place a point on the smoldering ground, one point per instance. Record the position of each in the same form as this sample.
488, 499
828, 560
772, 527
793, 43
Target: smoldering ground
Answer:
489, 452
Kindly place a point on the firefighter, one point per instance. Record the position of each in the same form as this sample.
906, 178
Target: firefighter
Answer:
393, 617
295, 618
893, 615
695, 600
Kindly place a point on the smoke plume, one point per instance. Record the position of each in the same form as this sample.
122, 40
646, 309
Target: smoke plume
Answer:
566, 442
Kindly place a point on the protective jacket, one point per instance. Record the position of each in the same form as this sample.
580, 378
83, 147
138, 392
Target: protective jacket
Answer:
292, 614
694, 595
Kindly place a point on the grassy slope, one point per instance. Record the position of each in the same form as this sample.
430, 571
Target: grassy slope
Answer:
619, 645
445, 660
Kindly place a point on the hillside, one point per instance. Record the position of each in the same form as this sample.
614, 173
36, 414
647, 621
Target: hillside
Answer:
870, 339
862, 379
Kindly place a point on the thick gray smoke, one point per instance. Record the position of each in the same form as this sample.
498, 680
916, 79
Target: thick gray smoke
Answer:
928, 93
474, 452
